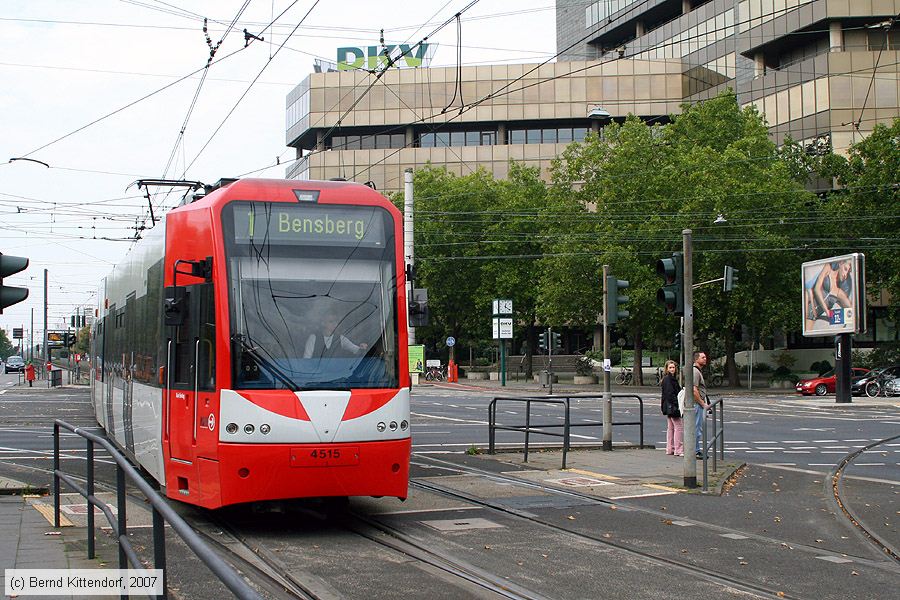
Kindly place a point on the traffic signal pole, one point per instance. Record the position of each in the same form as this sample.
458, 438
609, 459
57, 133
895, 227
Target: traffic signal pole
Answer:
688, 418
607, 393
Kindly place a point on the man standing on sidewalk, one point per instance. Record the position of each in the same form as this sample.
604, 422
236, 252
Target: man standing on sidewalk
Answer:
700, 397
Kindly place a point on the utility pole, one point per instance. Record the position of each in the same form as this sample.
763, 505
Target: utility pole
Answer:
46, 356
689, 416
408, 250
31, 339
607, 393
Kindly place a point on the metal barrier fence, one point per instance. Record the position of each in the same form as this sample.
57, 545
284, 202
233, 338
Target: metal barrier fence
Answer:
162, 514
540, 429
718, 418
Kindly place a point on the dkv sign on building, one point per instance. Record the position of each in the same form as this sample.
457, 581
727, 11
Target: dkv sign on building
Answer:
373, 57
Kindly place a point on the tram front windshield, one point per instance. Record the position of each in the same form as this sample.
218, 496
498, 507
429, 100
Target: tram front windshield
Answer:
312, 292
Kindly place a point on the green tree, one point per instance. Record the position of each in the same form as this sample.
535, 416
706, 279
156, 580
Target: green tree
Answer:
513, 240
639, 186
6, 346
733, 169
860, 208
450, 218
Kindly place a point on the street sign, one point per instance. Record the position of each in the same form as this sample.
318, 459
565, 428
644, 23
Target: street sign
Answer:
503, 328
451, 341
17, 333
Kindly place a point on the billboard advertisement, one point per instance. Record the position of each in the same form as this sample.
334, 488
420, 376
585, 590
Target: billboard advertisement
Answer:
834, 299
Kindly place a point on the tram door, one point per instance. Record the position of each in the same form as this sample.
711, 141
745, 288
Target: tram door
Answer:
192, 369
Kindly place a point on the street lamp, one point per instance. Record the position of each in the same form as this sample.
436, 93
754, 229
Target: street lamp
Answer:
598, 112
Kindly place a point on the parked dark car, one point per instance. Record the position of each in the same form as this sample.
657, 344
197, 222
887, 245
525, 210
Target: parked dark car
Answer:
14, 364
825, 384
859, 387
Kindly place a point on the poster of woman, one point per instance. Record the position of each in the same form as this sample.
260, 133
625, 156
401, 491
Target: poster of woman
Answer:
834, 295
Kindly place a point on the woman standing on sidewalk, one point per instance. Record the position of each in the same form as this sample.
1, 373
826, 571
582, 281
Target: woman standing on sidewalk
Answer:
669, 406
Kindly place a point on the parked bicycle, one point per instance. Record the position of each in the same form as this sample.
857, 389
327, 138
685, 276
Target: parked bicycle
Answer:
659, 375
875, 387
434, 374
625, 376
714, 378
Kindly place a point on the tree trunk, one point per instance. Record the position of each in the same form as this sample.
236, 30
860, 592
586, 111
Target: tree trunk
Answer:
638, 356
598, 338
731, 371
531, 338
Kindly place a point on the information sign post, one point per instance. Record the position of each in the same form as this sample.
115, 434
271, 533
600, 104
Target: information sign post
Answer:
503, 330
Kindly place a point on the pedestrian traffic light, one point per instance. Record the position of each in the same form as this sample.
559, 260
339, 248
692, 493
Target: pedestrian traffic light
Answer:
671, 294
614, 299
677, 344
9, 295
557, 341
729, 278
70, 339
543, 339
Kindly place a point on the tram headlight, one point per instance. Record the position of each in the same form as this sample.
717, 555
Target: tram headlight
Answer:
403, 425
231, 428
264, 429
249, 428
393, 425
381, 426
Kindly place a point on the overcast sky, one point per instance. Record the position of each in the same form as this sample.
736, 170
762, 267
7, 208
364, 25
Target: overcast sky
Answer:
66, 64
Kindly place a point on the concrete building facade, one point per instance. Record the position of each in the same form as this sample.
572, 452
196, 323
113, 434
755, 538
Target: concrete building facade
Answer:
365, 127
822, 71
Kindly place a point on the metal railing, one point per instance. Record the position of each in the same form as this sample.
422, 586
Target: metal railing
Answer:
162, 514
529, 428
717, 441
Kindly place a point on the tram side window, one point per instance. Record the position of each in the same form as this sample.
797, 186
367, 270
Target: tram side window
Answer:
195, 340
182, 370
206, 335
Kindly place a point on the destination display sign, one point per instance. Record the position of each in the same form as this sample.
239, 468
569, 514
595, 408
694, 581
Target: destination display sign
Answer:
308, 224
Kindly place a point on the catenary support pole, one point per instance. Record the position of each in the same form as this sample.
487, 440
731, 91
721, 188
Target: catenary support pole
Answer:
690, 432
408, 241
46, 357
607, 393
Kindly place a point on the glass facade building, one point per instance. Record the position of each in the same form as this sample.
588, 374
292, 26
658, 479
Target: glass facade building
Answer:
816, 69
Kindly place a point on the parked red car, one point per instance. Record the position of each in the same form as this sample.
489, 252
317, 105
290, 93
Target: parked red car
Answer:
825, 384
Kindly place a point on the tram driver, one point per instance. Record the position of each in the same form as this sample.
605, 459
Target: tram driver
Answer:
329, 344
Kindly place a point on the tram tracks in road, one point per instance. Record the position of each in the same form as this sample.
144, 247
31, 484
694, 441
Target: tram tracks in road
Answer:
835, 490
688, 568
253, 554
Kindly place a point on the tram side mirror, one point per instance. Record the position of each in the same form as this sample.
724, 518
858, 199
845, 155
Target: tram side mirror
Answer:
175, 306
202, 268
418, 308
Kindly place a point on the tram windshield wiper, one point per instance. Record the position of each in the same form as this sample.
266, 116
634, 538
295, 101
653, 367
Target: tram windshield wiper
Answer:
263, 362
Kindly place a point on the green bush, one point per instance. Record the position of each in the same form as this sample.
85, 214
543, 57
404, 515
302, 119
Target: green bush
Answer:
820, 366
884, 355
762, 368
784, 374
584, 366
785, 359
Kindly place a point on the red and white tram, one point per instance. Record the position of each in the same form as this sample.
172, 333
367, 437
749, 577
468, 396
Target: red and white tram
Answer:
253, 346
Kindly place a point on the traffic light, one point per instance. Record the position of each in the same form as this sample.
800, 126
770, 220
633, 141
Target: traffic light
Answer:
614, 300
70, 340
543, 339
10, 265
729, 278
557, 341
671, 294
